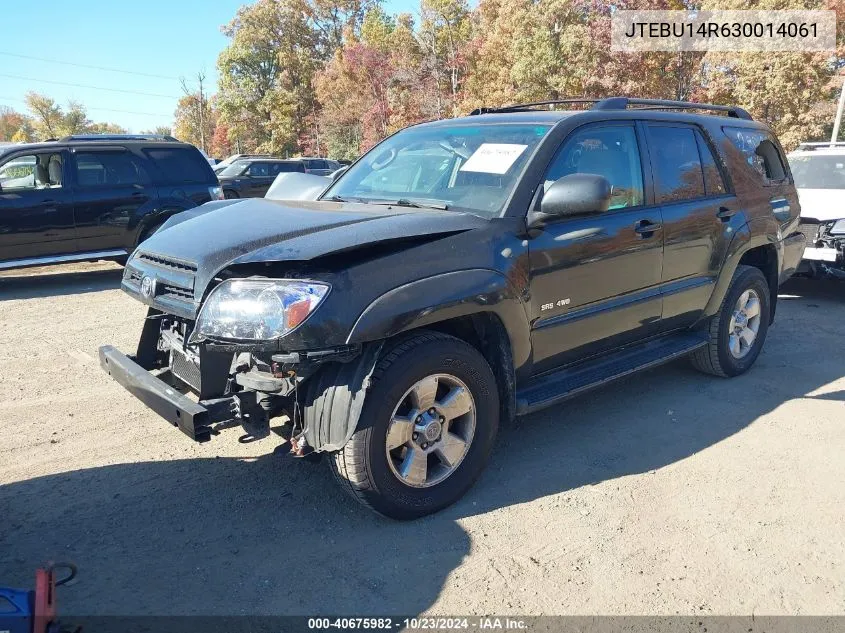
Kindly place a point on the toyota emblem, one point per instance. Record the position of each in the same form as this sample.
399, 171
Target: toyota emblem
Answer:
147, 287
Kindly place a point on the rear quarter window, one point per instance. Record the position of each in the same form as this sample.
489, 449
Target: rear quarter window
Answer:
180, 165
761, 152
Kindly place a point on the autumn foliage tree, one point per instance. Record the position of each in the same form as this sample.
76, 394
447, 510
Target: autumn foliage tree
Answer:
48, 119
336, 76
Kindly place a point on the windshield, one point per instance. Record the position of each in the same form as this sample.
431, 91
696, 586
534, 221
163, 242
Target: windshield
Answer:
818, 171
463, 167
235, 169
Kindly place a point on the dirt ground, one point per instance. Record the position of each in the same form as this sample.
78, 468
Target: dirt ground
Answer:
669, 492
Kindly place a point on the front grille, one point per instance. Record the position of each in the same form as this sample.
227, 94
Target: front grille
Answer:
166, 262
184, 369
175, 292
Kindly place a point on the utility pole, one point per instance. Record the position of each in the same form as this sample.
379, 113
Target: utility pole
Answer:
835, 135
201, 113
200, 79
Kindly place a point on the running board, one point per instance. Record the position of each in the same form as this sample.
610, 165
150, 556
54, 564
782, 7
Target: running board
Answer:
550, 389
62, 259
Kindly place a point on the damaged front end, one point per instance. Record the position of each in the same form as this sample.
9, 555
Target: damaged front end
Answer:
824, 255
205, 387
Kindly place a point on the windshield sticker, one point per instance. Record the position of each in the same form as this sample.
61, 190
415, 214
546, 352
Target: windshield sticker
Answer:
493, 158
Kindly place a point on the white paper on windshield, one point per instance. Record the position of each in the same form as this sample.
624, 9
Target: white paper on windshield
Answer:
493, 158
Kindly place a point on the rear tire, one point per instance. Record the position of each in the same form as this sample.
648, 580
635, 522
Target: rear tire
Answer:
415, 403
737, 332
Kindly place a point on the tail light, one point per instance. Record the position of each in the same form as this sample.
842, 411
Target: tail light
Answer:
216, 193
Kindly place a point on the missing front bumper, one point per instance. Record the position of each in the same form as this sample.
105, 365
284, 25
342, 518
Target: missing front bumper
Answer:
194, 419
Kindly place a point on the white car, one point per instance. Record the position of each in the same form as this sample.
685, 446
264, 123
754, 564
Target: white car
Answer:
819, 173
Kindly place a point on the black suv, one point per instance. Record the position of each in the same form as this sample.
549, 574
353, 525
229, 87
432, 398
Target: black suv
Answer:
94, 196
463, 272
320, 166
252, 177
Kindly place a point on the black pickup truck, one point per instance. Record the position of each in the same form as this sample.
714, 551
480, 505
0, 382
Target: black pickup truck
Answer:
461, 273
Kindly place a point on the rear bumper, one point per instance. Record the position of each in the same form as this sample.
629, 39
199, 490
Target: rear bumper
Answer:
192, 418
793, 251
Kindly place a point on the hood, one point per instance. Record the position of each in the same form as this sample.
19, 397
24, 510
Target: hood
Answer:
260, 230
822, 204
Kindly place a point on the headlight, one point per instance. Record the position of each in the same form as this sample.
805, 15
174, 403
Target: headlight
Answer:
257, 309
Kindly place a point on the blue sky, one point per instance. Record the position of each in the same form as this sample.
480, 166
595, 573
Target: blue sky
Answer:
165, 38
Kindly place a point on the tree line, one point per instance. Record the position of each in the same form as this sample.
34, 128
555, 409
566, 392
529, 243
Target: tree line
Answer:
46, 119
333, 77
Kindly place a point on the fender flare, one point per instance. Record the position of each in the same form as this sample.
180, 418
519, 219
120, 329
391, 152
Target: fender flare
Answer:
746, 238
441, 297
335, 399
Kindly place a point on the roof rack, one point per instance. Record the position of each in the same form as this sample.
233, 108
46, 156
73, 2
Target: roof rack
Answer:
522, 107
622, 103
118, 137
814, 146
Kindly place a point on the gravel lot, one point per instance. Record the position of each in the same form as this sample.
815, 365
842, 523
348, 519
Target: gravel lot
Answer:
669, 492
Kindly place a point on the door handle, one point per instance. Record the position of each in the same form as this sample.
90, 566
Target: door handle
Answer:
138, 194
725, 213
646, 227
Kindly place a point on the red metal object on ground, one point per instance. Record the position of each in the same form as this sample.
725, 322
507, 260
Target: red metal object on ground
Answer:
45, 600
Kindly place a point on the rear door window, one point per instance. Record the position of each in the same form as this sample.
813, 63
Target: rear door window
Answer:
676, 163
180, 165
760, 151
259, 169
111, 168
282, 168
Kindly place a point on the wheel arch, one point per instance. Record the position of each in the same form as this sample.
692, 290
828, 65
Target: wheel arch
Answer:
476, 306
152, 219
759, 249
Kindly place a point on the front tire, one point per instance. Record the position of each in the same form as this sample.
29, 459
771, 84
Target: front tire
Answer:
738, 330
426, 430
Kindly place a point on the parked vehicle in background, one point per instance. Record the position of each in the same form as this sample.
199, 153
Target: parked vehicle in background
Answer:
231, 159
94, 197
252, 177
297, 186
319, 166
819, 173
461, 272
211, 161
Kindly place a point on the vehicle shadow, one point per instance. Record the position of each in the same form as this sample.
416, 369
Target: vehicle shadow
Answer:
30, 286
664, 415
272, 535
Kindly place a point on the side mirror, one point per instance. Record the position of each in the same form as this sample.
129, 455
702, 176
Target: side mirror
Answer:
576, 194
338, 173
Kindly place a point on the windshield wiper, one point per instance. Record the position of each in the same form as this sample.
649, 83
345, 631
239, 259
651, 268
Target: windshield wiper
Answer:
337, 198
405, 202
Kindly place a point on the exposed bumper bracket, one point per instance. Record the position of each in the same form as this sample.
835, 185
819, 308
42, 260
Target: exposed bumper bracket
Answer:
192, 418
